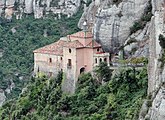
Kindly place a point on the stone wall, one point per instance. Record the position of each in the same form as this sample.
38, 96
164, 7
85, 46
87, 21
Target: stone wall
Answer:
42, 63
69, 81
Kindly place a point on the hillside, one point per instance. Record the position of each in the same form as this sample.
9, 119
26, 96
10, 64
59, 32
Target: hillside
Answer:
19, 38
118, 99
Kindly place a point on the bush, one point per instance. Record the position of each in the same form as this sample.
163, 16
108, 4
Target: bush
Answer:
137, 26
162, 41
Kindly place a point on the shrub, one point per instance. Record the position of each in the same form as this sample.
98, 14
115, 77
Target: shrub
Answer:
162, 41
137, 26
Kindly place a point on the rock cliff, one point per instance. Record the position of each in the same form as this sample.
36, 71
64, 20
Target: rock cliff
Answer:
111, 24
112, 20
156, 72
40, 8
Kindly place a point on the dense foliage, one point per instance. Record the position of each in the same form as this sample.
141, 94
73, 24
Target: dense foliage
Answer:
118, 99
19, 38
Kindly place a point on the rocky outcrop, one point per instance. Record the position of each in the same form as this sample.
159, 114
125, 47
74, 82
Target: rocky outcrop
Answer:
112, 21
156, 72
40, 8
2, 97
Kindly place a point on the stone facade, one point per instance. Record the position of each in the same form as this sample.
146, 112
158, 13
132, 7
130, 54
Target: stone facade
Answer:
75, 54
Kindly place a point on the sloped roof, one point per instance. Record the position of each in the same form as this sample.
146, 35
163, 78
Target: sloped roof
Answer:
82, 34
94, 44
74, 44
57, 47
54, 48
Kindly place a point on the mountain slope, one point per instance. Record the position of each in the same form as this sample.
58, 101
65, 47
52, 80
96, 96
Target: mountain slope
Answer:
118, 99
18, 39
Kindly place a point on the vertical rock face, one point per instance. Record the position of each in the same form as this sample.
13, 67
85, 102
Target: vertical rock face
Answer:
156, 73
156, 28
28, 6
41, 7
112, 21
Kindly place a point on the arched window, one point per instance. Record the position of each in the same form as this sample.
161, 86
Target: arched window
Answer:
105, 59
82, 70
95, 60
98, 49
100, 60
70, 50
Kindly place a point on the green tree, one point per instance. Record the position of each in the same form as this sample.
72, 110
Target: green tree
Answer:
103, 72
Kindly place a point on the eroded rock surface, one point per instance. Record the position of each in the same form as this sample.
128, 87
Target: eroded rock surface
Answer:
112, 22
39, 8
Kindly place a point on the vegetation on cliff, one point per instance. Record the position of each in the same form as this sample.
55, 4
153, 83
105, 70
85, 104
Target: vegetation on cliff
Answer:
119, 98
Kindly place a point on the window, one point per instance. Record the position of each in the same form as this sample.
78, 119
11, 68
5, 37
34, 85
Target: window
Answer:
70, 50
98, 49
105, 59
95, 60
82, 70
100, 60
50, 60
61, 58
69, 63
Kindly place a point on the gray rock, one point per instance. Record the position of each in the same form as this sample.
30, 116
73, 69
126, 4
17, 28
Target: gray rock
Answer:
111, 22
2, 97
40, 7
155, 71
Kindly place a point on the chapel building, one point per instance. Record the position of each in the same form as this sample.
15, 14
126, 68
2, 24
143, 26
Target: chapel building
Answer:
73, 55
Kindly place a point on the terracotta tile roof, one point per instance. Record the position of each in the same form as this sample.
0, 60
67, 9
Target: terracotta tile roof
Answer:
93, 44
81, 34
74, 44
54, 48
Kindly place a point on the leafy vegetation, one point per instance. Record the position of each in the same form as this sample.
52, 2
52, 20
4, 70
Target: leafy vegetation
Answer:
119, 99
103, 72
19, 38
116, 1
162, 41
162, 44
